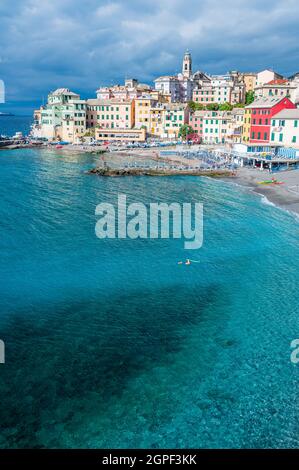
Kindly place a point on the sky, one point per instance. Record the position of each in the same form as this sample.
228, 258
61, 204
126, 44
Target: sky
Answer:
83, 44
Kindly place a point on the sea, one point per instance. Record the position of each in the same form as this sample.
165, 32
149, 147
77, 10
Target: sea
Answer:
9, 125
110, 343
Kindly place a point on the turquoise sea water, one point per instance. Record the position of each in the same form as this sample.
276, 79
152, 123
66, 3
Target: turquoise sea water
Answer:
111, 343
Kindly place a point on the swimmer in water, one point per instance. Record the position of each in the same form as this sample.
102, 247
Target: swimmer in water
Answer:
188, 261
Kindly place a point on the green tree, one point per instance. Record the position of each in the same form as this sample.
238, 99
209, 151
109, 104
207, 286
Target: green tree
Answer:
239, 105
185, 130
192, 105
225, 107
212, 107
195, 106
249, 97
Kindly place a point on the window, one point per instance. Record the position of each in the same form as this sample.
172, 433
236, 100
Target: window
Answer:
265, 136
280, 137
272, 136
252, 135
266, 122
258, 136
294, 139
295, 123
273, 122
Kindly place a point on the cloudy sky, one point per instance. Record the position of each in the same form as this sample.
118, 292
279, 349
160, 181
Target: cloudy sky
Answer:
81, 44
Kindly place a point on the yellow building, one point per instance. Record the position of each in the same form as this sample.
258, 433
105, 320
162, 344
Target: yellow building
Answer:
246, 125
143, 107
157, 120
250, 81
110, 114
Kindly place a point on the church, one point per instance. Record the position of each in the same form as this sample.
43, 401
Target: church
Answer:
180, 87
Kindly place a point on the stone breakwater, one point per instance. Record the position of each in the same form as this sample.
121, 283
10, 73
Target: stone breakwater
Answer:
158, 172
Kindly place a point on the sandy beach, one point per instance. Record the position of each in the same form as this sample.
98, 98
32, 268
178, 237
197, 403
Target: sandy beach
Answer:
285, 195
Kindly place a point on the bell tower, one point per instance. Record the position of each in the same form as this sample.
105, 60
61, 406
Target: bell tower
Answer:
187, 65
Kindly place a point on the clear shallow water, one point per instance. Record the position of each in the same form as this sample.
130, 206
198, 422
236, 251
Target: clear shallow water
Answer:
113, 344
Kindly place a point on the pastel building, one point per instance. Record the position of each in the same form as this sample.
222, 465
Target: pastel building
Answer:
196, 119
204, 94
220, 89
73, 126
143, 107
180, 87
236, 125
246, 125
262, 111
249, 79
63, 118
285, 128
129, 91
110, 114
266, 76
277, 88
216, 127
175, 116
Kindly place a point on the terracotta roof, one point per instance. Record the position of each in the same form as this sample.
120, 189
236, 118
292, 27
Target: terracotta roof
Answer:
278, 81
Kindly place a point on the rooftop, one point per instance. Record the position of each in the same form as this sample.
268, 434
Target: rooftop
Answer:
97, 102
278, 81
63, 91
287, 114
268, 102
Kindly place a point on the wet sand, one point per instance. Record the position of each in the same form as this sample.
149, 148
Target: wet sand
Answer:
285, 195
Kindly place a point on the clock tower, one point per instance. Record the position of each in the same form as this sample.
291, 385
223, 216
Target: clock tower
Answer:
187, 65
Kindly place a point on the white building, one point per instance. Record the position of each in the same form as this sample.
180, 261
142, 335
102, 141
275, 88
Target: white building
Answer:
63, 118
265, 76
279, 88
217, 127
180, 87
285, 128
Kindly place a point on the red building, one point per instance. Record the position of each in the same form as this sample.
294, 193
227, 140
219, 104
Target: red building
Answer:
262, 111
196, 122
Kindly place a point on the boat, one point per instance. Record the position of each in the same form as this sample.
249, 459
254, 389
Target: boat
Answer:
273, 181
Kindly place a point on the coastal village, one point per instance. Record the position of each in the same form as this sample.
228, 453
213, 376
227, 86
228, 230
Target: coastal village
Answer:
254, 112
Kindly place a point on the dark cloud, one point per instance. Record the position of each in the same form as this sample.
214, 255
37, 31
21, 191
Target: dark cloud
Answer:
56, 43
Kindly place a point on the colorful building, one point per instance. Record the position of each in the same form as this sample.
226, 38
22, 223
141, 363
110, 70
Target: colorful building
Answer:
249, 79
216, 125
110, 114
175, 116
196, 119
265, 76
246, 125
63, 117
285, 128
205, 94
262, 111
277, 88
